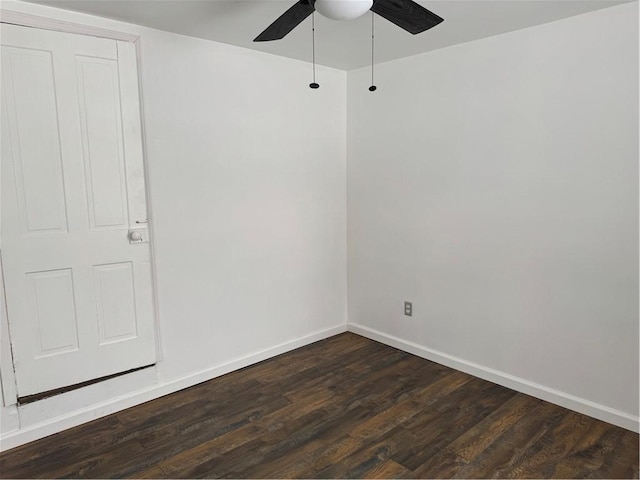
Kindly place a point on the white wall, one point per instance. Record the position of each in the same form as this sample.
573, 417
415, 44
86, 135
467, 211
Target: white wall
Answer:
247, 170
495, 185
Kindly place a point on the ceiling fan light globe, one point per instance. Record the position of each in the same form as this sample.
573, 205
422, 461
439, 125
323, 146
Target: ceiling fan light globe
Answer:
343, 9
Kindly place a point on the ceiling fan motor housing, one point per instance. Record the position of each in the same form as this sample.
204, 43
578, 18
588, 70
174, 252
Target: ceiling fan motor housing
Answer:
343, 9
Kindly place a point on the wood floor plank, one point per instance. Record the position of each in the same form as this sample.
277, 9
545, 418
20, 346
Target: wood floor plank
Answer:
494, 457
22, 466
627, 448
193, 398
401, 412
277, 441
334, 372
312, 458
316, 360
475, 440
152, 472
388, 469
280, 459
370, 456
210, 422
344, 407
174, 439
451, 417
287, 440
117, 462
105, 432
306, 402
446, 464
597, 451
545, 457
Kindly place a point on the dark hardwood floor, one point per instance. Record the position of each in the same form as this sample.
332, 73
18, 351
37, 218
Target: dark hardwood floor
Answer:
345, 407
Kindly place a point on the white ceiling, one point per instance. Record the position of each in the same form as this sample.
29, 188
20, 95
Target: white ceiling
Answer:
343, 45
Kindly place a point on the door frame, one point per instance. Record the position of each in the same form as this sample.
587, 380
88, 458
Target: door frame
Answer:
7, 373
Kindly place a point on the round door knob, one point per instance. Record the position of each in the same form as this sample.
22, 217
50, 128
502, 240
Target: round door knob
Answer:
135, 236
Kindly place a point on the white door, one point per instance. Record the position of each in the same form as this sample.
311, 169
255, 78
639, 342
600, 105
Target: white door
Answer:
78, 287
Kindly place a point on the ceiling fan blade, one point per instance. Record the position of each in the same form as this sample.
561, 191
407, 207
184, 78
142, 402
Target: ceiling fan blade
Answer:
287, 21
406, 14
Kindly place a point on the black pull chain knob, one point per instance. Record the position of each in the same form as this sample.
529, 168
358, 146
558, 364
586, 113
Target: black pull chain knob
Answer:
372, 88
313, 84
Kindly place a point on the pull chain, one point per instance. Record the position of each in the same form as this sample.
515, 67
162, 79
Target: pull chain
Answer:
372, 88
313, 50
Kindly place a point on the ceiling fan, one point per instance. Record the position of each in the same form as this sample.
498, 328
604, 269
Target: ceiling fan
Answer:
406, 14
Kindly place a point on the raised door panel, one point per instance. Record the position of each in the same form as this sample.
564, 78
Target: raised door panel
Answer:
53, 312
116, 302
34, 140
103, 151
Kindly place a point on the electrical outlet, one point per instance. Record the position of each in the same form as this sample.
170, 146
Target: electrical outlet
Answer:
408, 309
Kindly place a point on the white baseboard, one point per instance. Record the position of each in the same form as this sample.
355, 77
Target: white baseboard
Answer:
580, 405
57, 424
